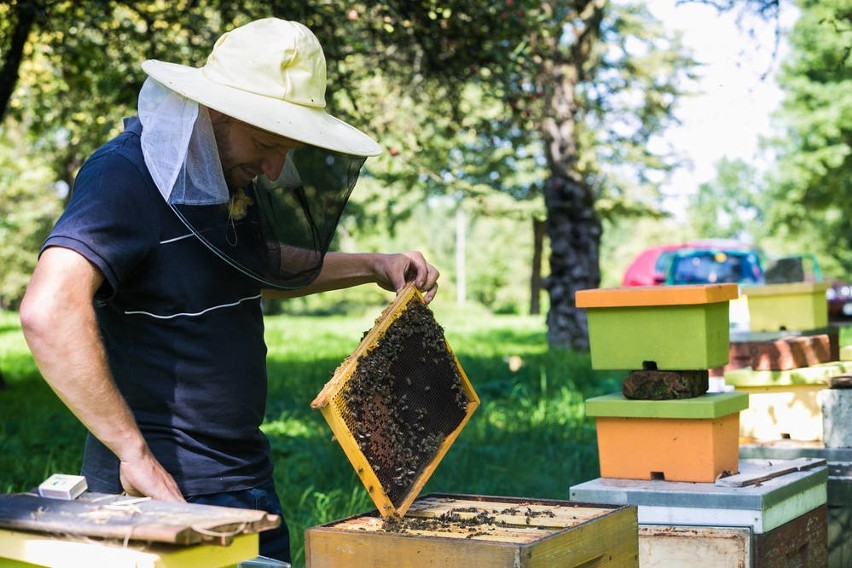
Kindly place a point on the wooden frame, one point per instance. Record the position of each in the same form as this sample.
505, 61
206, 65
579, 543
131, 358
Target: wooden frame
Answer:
327, 401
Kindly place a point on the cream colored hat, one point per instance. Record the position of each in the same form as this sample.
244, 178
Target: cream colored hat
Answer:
269, 73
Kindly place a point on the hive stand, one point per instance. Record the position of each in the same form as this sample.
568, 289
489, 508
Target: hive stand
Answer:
665, 328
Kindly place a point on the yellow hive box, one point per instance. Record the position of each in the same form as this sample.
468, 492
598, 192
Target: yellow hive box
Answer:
784, 404
793, 306
469, 531
24, 549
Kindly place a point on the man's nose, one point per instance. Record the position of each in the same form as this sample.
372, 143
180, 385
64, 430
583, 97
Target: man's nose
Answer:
273, 163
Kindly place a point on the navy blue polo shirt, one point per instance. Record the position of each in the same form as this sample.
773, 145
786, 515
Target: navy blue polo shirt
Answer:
183, 330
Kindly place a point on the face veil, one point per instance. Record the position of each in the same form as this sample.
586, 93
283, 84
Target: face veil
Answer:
275, 231
278, 231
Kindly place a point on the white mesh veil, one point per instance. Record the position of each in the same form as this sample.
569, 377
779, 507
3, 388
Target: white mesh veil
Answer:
179, 147
276, 231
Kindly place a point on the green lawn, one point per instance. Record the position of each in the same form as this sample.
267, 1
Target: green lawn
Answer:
529, 437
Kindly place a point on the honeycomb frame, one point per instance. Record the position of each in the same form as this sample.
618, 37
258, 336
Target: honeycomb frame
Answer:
432, 426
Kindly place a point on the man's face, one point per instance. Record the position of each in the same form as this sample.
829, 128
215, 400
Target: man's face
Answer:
246, 151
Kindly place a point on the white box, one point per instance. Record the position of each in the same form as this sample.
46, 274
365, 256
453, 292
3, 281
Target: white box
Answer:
61, 486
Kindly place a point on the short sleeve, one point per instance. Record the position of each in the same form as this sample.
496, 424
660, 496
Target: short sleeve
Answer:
111, 219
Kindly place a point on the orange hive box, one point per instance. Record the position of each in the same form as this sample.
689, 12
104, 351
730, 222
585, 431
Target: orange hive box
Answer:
693, 440
398, 402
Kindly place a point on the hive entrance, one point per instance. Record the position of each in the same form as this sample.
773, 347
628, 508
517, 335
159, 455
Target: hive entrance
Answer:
398, 402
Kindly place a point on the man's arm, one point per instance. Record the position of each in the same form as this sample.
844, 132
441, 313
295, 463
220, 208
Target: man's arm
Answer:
390, 271
59, 325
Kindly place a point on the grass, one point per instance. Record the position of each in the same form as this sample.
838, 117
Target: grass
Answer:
529, 438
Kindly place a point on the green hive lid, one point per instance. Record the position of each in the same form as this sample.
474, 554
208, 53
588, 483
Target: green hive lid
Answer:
784, 289
711, 405
813, 375
656, 296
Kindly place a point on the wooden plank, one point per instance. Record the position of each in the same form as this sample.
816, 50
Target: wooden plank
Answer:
128, 518
769, 472
813, 375
484, 531
512, 514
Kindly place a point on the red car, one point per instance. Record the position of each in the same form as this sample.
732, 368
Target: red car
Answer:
648, 268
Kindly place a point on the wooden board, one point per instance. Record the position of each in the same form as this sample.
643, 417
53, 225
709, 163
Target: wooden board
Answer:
813, 375
133, 519
656, 296
769, 472
469, 531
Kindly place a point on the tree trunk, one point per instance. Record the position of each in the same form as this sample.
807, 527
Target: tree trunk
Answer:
13, 55
572, 222
535, 277
575, 233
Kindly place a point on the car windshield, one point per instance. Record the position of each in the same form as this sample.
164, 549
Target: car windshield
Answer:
712, 267
662, 261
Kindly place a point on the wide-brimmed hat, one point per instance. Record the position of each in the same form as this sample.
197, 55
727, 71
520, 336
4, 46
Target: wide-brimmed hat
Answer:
271, 74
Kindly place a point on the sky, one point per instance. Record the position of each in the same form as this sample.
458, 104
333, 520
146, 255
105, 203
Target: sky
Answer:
739, 91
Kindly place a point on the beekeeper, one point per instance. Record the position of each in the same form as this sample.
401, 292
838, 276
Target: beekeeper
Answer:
144, 310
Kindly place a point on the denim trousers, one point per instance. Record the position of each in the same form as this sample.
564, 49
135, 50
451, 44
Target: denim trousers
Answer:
274, 543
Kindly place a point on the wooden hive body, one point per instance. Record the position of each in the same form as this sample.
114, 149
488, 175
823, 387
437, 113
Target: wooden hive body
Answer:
474, 531
673, 327
398, 402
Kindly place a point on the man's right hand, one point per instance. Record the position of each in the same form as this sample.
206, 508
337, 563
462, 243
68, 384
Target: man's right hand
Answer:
60, 327
145, 477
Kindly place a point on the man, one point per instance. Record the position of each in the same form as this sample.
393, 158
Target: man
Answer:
144, 310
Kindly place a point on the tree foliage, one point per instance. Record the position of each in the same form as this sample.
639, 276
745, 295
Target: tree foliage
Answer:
732, 205
477, 101
813, 186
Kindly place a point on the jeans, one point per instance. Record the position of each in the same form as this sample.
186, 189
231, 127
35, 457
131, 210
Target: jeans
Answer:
274, 543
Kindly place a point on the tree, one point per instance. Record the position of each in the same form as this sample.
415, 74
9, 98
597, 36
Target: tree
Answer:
502, 95
813, 186
592, 105
29, 205
731, 206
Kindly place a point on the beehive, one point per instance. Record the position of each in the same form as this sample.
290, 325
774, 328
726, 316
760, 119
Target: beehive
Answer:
671, 327
473, 531
796, 305
785, 403
692, 440
398, 402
